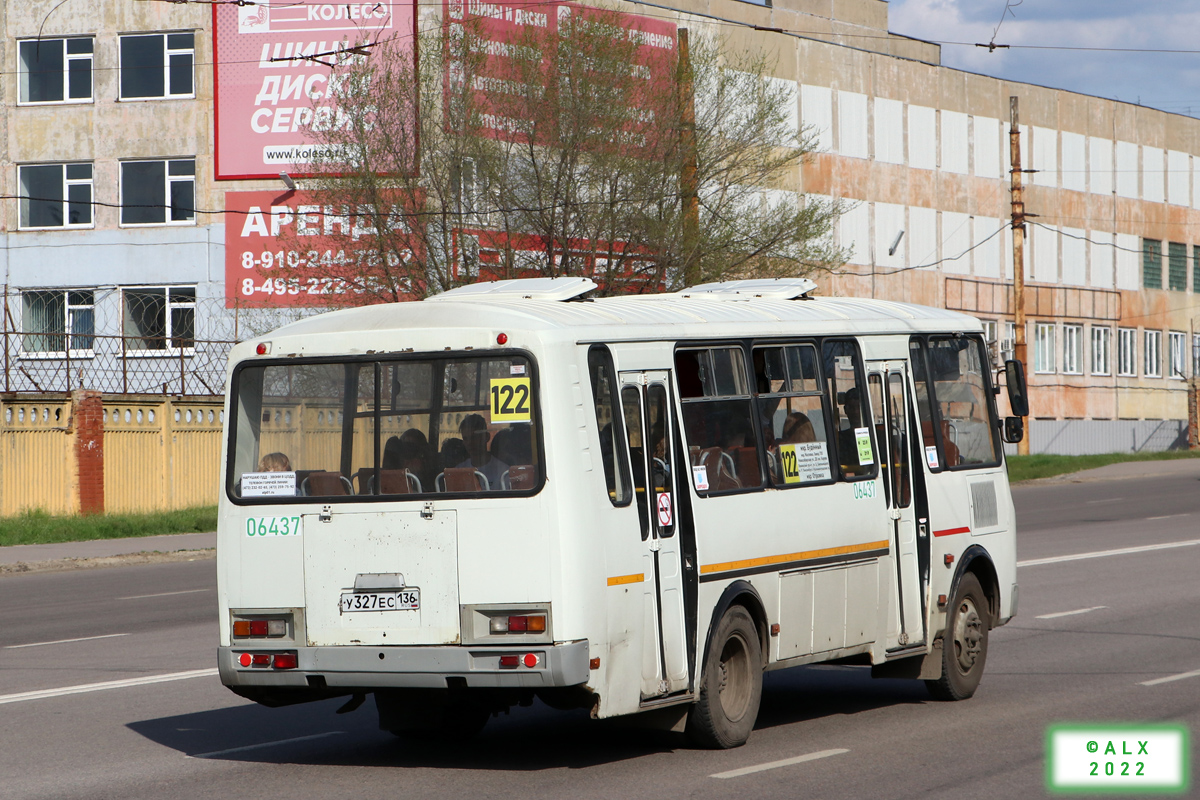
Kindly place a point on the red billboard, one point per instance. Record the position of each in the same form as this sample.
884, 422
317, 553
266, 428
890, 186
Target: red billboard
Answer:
510, 33
289, 249
275, 82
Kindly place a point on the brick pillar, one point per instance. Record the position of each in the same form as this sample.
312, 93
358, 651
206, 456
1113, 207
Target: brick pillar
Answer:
1193, 414
87, 413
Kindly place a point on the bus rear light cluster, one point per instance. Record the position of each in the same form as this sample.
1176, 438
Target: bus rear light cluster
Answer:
530, 660
259, 628
268, 660
525, 623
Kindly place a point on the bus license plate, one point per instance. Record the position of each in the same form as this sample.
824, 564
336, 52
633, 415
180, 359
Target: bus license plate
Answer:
403, 600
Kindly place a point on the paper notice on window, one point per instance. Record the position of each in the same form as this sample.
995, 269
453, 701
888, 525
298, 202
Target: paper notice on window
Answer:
268, 484
862, 437
700, 478
805, 462
931, 456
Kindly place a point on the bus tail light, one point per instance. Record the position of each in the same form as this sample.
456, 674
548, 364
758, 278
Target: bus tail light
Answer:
261, 659
284, 661
508, 662
524, 623
259, 628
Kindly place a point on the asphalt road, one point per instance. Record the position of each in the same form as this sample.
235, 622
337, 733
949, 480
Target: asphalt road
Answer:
191, 738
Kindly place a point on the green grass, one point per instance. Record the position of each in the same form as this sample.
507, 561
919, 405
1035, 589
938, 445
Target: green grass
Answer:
38, 527
1027, 468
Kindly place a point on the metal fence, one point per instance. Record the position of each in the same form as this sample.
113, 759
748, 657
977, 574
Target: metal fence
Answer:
165, 365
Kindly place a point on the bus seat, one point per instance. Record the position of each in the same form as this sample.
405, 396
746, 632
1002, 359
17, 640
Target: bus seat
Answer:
722, 475
326, 484
396, 481
519, 477
746, 459
462, 479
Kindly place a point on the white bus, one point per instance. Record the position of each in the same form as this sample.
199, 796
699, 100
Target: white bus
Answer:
630, 504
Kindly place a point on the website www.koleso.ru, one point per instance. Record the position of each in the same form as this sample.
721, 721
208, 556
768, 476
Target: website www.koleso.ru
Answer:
302, 153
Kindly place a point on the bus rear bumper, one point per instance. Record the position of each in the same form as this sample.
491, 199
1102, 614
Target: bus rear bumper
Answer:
419, 667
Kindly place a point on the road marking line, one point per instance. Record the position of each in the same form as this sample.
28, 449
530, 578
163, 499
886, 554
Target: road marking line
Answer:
163, 594
243, 749
64, 641
787, 762
1037, 562
1098, 502
98, 687
1168, 516
1070, 613
1169, 678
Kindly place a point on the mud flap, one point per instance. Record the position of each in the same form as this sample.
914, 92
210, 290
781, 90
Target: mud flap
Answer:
923, 668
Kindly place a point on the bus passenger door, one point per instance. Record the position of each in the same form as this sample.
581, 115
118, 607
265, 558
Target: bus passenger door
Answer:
890, 386
645, 399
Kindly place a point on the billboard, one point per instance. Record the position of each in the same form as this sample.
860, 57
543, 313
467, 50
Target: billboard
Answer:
274, 75
508, 33
287, 250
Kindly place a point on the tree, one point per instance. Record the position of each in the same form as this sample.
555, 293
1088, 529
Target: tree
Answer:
579, 150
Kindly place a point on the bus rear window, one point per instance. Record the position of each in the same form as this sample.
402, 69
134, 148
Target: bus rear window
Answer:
385, 428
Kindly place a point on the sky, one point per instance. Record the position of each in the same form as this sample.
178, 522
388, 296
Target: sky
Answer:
1170, 82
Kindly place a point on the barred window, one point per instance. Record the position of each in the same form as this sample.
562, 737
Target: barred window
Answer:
1178, 344
1126, 352
1100, 347
1177, 266
55, 320
159, 318
55, 70
1153, 353
1073, 349
1152, 264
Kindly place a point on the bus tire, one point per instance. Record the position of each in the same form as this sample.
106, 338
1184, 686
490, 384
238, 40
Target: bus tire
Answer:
964, 649
730, 686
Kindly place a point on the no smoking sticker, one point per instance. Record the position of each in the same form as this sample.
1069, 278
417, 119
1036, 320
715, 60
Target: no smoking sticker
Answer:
664, 509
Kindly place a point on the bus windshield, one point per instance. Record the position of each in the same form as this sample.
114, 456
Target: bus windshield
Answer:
402, 428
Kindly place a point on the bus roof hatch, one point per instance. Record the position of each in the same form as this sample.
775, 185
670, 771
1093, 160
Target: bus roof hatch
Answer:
765, 288
523, 288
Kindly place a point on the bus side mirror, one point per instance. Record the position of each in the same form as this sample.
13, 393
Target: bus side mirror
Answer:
1018, 392
1014, 429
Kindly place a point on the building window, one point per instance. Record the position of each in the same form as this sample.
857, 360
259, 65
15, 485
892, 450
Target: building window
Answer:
1100, 347
990, 335
1008, 345
54, 320
55, 70
158, 192
1127, 352
159, 318
1196, 268
1151, 264
55, 196
158, 65
1043, 347
1153, 352
1196, 354
1072, 349
1178, 354
1177, 267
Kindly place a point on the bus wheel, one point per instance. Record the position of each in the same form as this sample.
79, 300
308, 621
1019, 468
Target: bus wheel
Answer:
964, 650
731, 686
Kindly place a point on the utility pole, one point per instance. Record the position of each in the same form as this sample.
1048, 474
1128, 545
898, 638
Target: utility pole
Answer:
1018, 232
688, 185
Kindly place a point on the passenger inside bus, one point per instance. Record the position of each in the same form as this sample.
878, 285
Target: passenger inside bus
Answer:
275, 462
850, 418
798, 428
474, 430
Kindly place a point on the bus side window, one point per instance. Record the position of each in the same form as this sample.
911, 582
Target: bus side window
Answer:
848, 397
792, 415
612, 453
718, 420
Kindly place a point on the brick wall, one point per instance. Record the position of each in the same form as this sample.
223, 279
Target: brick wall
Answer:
88, 419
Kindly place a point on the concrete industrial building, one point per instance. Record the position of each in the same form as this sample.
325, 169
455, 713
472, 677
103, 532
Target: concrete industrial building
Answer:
919, 151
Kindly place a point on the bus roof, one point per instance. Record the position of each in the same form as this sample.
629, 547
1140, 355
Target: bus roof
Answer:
650, 317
